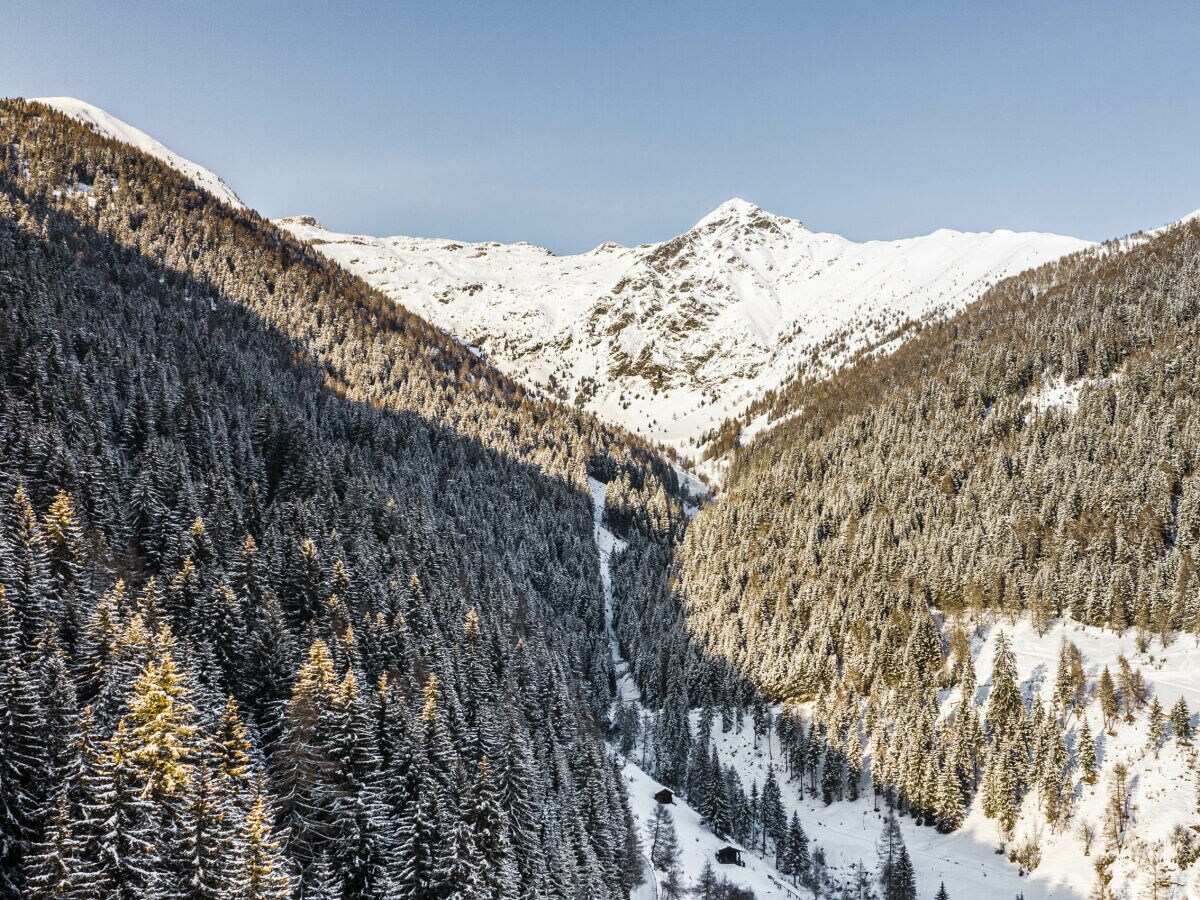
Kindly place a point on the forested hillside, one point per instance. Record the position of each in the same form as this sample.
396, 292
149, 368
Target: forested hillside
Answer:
1038, 453
1033, 460
298, 598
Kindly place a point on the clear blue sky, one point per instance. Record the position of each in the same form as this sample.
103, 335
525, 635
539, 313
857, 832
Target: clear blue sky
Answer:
567, 124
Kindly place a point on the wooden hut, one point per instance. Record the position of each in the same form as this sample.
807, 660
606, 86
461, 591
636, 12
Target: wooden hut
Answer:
664, 796
730, 856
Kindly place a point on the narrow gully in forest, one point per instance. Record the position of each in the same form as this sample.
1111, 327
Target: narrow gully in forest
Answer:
606, 543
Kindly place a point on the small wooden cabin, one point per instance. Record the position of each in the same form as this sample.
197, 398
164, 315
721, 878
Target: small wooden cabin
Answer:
730, 856
664, 796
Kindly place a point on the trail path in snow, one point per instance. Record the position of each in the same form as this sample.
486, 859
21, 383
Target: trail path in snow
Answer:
648, 889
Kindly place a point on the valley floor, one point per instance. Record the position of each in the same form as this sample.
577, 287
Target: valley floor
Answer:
697, 844
969, 861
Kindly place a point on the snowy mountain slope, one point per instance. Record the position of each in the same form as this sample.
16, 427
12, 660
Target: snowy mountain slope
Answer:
670, 339
1162, 791
1162, 781
1162, 784
110, 126
849, 832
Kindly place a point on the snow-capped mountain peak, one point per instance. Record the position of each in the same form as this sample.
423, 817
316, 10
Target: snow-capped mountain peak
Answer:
670, 339
735, 213
110, 126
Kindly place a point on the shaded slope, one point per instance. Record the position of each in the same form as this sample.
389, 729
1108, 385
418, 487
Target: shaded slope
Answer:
223, 458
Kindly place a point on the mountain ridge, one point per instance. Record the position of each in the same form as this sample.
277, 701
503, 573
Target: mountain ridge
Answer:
108, 125
671, 338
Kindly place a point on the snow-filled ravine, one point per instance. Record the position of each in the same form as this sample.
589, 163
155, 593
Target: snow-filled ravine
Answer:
697, 844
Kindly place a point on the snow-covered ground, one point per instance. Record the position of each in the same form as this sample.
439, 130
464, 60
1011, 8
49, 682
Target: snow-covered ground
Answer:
759, 424
110, 126
1058, 394
607, 543
698, 845
1162, 785
670, 339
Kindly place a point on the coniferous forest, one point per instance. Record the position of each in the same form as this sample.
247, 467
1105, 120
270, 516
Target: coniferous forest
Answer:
913, 499
299, 598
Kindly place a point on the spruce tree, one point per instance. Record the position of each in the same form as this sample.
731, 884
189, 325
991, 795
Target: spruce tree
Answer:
203, 852
262, 874
896, 877
25, 569
66, 588
305, 764
1156, 723
120, 827
1107, 695
949, 805
1056, 781
774, 821
161, 737
797, 862
490, 834
52, 868
707, 884
521, 796
721, 804
231, 750
1001, 785
1181, 722
663, 844
1005, 708
22, 762
362, 850
1086, 753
